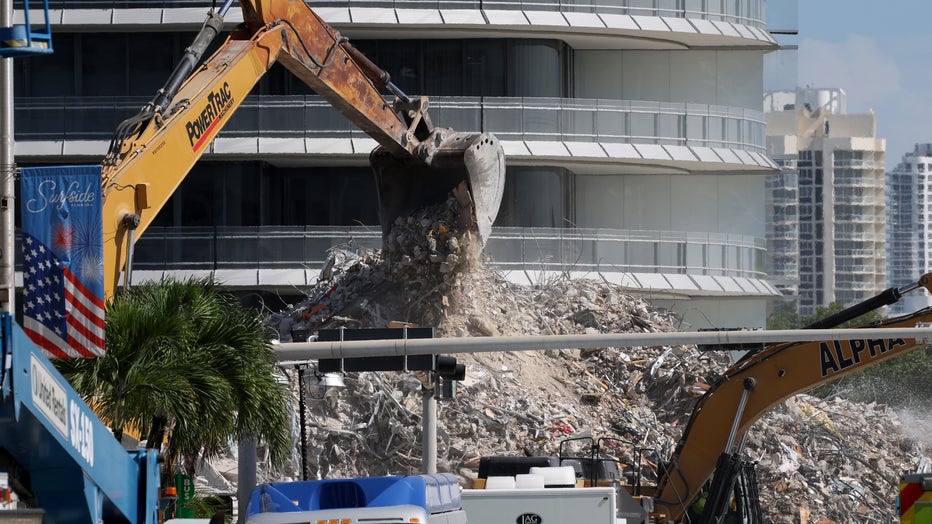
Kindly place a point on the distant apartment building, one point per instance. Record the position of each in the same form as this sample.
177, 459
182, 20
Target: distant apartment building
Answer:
909, 225
839, 193
633, 132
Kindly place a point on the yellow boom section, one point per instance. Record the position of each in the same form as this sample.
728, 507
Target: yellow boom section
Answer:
154, 163
769, 378
153, 152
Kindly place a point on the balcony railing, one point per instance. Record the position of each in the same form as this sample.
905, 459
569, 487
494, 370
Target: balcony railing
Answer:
530, 249
551, 119
745, 12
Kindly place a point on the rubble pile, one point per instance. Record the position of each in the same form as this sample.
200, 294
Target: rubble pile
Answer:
418, 275
818, 461
834, 460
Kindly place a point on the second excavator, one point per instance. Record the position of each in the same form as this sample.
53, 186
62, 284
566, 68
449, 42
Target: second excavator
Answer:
416, 164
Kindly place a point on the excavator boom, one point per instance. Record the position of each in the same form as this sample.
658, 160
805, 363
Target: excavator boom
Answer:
416, 164
759, 382
140, 180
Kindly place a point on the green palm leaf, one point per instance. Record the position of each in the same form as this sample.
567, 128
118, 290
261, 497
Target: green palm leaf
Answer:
185, 354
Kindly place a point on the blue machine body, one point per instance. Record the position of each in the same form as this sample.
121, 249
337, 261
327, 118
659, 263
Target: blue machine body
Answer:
77, 470
435, 493
31, 37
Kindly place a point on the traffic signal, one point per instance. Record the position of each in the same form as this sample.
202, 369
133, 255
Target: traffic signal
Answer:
448, 368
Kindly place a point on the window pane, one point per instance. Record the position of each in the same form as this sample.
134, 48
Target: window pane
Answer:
52, 74
443, 61
151, 59
537, 69
484, 69
103, 67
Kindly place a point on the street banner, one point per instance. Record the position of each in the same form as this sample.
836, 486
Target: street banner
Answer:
62, 241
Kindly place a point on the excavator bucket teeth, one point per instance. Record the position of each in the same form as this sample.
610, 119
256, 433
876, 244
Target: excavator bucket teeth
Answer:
407, 185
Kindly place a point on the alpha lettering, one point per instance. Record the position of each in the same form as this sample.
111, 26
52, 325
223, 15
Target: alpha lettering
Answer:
838, 355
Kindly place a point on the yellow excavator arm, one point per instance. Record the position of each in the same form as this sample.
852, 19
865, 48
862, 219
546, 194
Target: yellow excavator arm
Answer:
757, 383
415, 163
139, 179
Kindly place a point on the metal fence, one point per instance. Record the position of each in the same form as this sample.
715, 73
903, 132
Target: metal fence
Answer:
528, 249
309, 116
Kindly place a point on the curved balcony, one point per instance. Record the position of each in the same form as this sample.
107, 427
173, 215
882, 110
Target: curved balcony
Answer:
585, 136
696, 264
651, 24
745, 12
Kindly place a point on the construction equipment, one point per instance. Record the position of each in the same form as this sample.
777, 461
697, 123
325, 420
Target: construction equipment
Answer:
507, 491
416, 164
713, 439
32, 37
426, 499
706, 480
60, 461
914, 503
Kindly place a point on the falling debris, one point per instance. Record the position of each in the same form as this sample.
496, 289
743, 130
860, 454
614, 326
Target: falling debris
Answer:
819, 461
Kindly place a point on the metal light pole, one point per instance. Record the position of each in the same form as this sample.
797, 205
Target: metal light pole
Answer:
7, 171
429, 436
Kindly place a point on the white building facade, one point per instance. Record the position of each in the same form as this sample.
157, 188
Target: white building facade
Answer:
909, 225
841, 196
635, 142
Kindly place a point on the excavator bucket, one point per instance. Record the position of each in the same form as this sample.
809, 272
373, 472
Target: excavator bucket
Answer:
471, 166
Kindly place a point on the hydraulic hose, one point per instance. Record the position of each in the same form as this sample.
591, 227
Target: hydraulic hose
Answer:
192, 56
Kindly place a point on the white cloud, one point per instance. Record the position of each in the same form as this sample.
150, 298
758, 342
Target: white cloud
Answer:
856, 65
874, 80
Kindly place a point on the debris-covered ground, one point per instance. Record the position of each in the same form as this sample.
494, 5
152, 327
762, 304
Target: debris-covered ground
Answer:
819, 461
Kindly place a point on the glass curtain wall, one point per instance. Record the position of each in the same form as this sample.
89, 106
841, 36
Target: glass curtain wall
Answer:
258, 193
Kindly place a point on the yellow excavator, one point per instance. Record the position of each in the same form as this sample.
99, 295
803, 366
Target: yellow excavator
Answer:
707, 461
415, 163
707, 480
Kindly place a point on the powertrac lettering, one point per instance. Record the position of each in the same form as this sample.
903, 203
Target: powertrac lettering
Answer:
839, 355
218, 103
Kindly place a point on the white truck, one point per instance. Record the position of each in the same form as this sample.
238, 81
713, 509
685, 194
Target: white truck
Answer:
546, 495
573, 488
541, 506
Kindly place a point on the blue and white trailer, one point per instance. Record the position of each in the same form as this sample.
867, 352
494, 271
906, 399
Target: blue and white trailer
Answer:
418, 499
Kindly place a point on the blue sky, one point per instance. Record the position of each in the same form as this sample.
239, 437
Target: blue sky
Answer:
880, 54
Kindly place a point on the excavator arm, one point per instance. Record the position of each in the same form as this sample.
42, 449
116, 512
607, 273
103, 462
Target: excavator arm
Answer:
757, 383
415, 164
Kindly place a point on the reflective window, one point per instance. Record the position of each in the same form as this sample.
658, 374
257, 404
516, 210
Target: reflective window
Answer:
47, 75
471, 67
484, 71
151, 59
253, 193
102, 65
545, 209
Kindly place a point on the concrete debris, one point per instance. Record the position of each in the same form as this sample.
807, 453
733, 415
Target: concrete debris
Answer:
818, 460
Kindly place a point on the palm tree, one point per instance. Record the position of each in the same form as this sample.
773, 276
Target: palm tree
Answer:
186, 358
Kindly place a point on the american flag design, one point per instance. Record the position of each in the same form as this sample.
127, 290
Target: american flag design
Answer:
62, 242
